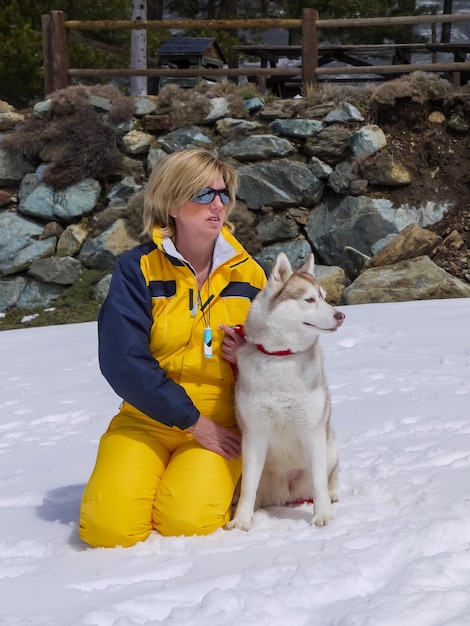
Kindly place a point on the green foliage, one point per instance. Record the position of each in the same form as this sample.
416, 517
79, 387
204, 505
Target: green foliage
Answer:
21, 75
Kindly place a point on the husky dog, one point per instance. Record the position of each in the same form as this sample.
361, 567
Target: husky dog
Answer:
283, 406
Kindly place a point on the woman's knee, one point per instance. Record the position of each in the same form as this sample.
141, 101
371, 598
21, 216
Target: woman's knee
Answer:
108, 524
118, 499
175, 518
195, 495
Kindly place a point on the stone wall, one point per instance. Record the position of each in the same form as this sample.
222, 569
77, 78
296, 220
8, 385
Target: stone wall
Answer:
72, 182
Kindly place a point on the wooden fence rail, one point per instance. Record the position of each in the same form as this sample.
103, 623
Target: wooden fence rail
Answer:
58, 73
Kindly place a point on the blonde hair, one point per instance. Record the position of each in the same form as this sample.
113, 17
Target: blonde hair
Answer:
177, 178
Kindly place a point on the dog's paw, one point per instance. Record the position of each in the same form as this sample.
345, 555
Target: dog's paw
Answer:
241, 524
322, 519
333, 496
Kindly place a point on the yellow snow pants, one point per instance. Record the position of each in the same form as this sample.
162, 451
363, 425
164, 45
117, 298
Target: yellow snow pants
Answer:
149, 476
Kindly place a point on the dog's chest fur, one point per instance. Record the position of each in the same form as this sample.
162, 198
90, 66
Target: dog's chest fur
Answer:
281, 390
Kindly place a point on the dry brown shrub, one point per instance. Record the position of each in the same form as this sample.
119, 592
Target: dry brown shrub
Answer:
122, 109
76, 141
321, 93
68, 101
86, 147
27, 139
186, 107
419, 87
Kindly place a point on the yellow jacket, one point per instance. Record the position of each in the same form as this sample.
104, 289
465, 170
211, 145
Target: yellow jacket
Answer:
151, 327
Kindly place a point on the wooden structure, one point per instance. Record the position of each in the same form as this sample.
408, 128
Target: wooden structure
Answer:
189, 53
59, 74
356, 56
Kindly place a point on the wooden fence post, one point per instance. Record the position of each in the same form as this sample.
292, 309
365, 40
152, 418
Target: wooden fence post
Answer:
309, 46
55, 51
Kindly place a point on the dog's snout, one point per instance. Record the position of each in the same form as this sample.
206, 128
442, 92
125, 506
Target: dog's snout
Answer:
339, 317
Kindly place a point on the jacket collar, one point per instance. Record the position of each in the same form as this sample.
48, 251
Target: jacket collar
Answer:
226, 247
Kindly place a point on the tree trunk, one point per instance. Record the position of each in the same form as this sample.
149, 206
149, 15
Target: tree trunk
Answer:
446, 26
138, 84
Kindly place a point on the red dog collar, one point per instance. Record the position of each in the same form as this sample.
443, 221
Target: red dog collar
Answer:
241, 331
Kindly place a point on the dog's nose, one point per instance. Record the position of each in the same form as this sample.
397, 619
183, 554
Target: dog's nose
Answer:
339, 317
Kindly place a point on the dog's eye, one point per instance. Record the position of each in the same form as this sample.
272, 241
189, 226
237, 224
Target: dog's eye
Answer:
310, 300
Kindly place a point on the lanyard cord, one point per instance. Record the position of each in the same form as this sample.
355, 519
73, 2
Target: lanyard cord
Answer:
206, 305
207, 336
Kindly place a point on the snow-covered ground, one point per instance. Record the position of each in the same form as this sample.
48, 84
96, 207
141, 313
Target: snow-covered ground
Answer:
396, 554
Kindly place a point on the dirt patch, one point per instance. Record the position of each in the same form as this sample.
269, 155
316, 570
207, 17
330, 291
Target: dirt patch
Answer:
439, 161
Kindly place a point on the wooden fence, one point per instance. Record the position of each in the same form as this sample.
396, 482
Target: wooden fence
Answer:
59, 74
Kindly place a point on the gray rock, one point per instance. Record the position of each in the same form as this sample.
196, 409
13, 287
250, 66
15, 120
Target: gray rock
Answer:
278, 184
145, 105
296, 128
344, 112
319, 168
100, 103
103, 251
13, 226
38, 294
154, 155
13, 167
276, 228
102, 288
345, 230
416, 279
297, 252
119, 195
43, 110
27, 250
367, 140
219, 108
20, 244
74, 201
254, 104
10, 292
58, 270
230, 127
183, 138
347, 223
331, 145
257, 148
340, 179
29, 183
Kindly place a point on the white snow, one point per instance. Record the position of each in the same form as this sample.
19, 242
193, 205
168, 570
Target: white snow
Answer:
396, 554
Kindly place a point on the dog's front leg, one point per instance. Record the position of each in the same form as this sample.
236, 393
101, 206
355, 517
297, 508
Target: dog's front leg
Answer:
323, 511
254, 450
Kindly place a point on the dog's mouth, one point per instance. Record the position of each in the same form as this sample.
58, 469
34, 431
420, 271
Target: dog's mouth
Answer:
322, 329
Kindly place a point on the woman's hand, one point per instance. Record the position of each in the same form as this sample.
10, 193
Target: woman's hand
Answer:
213, 436
230, 344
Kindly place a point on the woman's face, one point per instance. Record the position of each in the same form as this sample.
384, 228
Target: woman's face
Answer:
202, 220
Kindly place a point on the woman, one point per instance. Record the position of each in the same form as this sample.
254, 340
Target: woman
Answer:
170, 459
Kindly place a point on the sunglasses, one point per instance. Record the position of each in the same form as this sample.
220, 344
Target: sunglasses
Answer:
208, 195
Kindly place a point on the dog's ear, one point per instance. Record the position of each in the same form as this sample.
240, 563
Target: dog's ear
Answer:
309, 265
281, 271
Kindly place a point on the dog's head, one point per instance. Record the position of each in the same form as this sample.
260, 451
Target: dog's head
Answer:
295, 300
